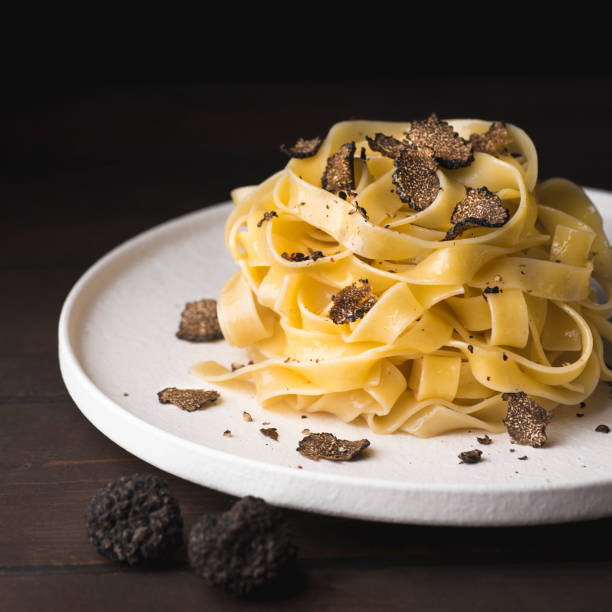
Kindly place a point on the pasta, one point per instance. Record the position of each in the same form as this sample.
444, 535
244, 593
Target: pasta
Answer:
458, 314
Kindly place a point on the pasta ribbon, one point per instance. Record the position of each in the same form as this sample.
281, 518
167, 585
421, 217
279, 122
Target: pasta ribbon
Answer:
440, 317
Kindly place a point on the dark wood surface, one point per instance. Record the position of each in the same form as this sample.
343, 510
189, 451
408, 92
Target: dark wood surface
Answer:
86, 167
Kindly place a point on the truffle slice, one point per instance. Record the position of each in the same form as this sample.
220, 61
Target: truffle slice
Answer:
339, 173
326, 446
270, 432
479, 208
387, 145
303, 148
449, 149
199, 322
244, 549
415, 178
134, 519
471, 456
493, 141
526, 421
188, 399
352, 302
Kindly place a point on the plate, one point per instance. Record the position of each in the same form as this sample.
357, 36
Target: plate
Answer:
117, 349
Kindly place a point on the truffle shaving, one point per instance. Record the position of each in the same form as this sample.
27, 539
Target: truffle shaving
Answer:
449, 149
352, 302
270, 432
326, 446
526, 420
339, 173
471, 456
479, 208
188, 399
415, 178
199, 322
387, 145
303, 148
493, 141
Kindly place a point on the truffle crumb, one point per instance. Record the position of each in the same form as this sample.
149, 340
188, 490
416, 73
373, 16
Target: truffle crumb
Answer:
199, 322
526, 420
306, 432
269, 214
188, 399
352, 302
244, 549
339, 173
303, 148
227, 433
493, 141
387, 145
247, 417
602, 429
471, 456
415, 179
489, 290
134, 519
479, 208
449, 149
523, 458
270, 432
485, 440
317, 446
295, 256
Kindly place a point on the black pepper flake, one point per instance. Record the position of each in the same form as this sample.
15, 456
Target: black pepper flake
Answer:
352, 302
339, 173
485, 440
583, 404
602, 429
303, 148
415, 179
493, 141
188, 399
471, 456
270, 214
387, 145
523, 458
470, 348
326, 446
135, 519
504, 357
270, 432
199, 322
450, 150
245, 550
525, 420
495, 289
479, 208
580, 414
361, 210
314, 255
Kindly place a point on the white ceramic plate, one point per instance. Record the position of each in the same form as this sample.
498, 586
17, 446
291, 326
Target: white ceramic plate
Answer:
118, 348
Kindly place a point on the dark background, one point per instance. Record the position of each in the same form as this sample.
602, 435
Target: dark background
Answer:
93, 154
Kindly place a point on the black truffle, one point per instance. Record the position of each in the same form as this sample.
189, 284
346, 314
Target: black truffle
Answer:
135, 519
450, 150
415, 178
339, 176
526, 420
386, 145
479, 208
243, 549
352, 302
199, 322
493, 141
303, 148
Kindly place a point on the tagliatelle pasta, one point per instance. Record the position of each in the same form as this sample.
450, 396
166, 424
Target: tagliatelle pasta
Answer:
454, 319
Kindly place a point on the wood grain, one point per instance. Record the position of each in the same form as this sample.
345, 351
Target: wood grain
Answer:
89, 171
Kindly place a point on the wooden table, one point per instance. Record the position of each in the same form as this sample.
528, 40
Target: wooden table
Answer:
91, 166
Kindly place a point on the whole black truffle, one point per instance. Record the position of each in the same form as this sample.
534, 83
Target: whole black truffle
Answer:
243, 549
134, 519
